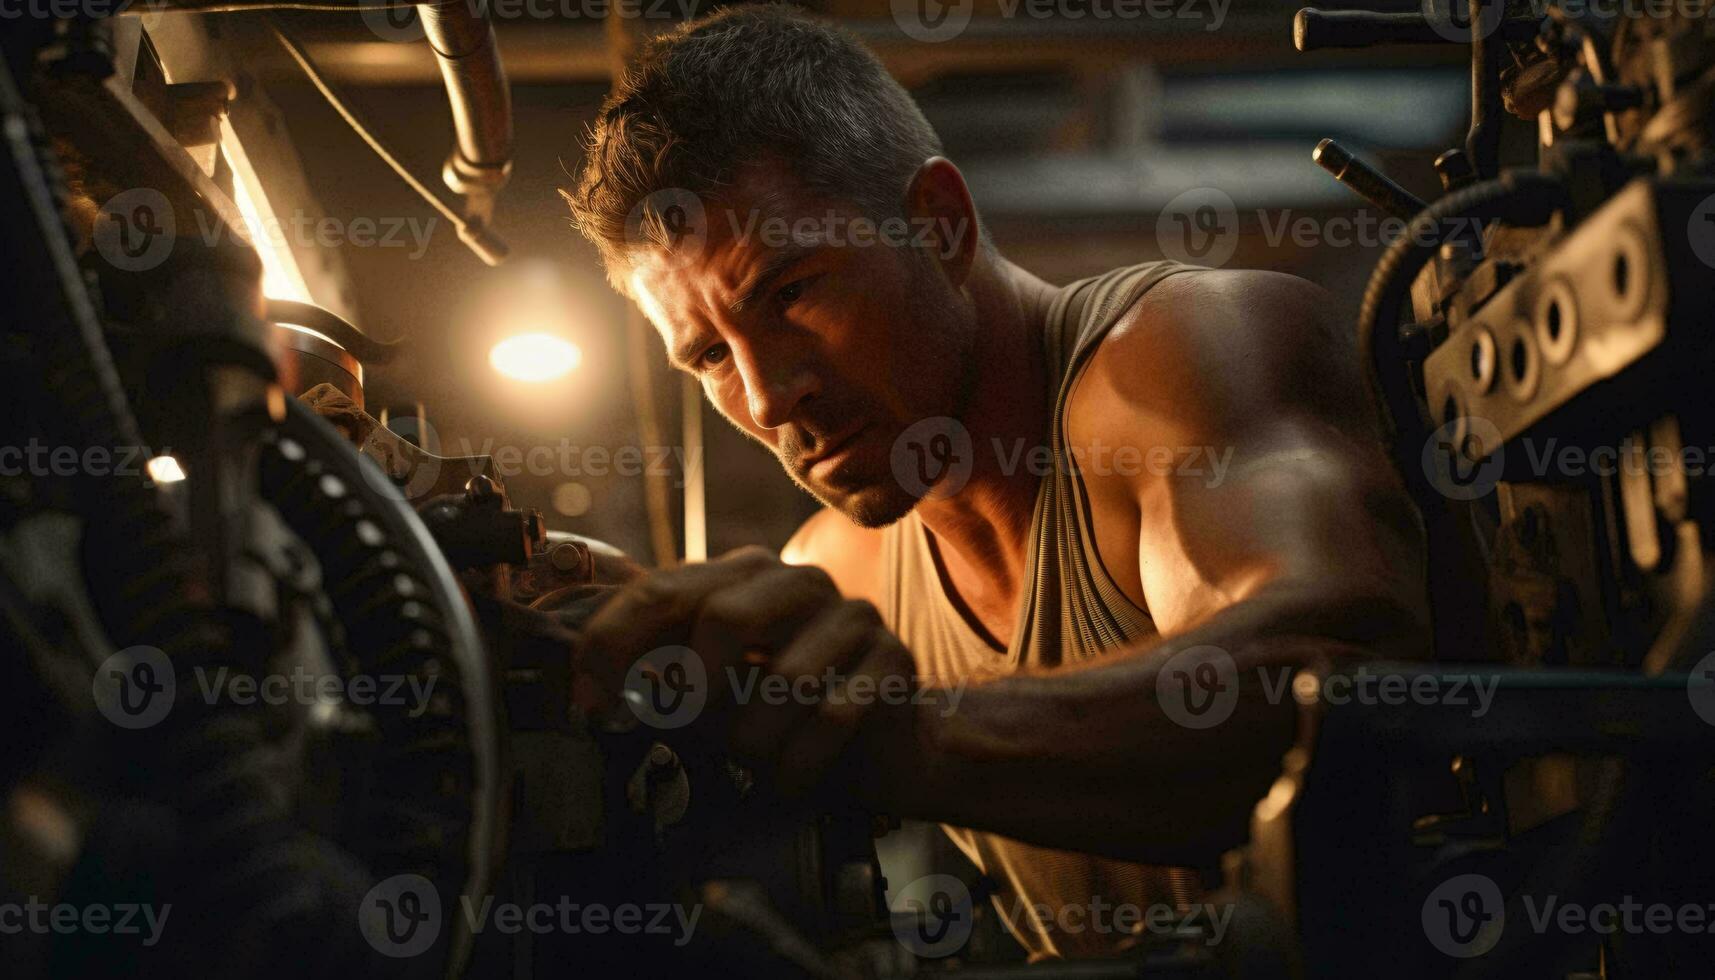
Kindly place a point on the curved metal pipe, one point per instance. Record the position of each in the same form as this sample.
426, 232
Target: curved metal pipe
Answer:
333, 326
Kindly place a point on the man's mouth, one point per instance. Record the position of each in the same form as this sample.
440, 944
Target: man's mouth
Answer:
837, 452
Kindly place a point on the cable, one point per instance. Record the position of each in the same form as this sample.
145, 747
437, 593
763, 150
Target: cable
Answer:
357, 125
488, 248
1520, 198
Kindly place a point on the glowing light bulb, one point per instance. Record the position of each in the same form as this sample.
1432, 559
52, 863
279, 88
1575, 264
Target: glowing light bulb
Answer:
165, 469
535, 357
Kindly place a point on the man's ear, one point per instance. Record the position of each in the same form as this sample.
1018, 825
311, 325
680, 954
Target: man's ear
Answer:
943, 217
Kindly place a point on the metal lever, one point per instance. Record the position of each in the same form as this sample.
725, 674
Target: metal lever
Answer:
1369, 183
1314, 29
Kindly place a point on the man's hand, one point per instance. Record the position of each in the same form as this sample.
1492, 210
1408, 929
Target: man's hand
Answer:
748, 617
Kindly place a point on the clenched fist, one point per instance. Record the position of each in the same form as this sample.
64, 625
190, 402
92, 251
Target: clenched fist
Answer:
766, 656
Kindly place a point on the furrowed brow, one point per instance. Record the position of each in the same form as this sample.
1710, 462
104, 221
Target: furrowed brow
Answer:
761, 281
683, 355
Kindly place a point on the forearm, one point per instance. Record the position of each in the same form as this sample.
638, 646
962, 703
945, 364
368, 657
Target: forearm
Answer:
1091, 757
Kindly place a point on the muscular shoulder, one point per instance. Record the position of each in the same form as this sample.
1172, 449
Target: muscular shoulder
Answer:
847, 552
1207, 352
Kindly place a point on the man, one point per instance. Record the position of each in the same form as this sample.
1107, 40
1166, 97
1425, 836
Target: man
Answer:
1091, 512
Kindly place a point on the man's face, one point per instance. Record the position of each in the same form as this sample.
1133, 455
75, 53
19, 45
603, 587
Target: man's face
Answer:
820, 342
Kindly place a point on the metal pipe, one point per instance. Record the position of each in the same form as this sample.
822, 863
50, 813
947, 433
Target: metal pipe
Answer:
1483, 141
462, 38
332, 326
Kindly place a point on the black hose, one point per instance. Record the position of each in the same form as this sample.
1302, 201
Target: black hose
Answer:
1519, 198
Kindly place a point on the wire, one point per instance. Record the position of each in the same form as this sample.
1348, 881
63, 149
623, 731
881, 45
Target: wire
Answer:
357, 125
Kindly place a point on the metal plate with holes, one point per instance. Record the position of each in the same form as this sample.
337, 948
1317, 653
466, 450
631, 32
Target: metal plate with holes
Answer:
1598, 304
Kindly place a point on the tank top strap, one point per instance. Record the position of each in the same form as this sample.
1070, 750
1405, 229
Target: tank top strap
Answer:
1074, 609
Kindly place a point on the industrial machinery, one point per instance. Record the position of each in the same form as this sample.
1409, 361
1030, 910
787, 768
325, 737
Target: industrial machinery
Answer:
166, 609
1537, 339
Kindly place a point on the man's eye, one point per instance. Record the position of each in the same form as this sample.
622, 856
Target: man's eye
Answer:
714, 355
790, 292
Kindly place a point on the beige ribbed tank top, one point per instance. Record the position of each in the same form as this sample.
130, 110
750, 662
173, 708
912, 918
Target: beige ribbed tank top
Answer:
1071, 611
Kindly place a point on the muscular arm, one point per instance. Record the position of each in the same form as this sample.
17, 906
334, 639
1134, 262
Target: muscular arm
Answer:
1304, 546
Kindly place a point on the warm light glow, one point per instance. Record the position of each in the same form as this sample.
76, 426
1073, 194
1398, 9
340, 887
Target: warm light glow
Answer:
314, 333
281, 277
165, 469
535, 357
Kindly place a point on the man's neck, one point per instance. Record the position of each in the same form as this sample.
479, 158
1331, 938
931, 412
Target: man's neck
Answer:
982, 531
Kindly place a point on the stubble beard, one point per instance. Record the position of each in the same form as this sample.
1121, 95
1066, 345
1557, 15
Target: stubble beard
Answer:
883, 499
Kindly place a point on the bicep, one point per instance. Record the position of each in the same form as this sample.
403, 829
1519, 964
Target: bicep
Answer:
1294, 490
1295, 504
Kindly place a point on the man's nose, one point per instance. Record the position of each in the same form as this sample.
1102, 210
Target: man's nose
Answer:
774, 388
